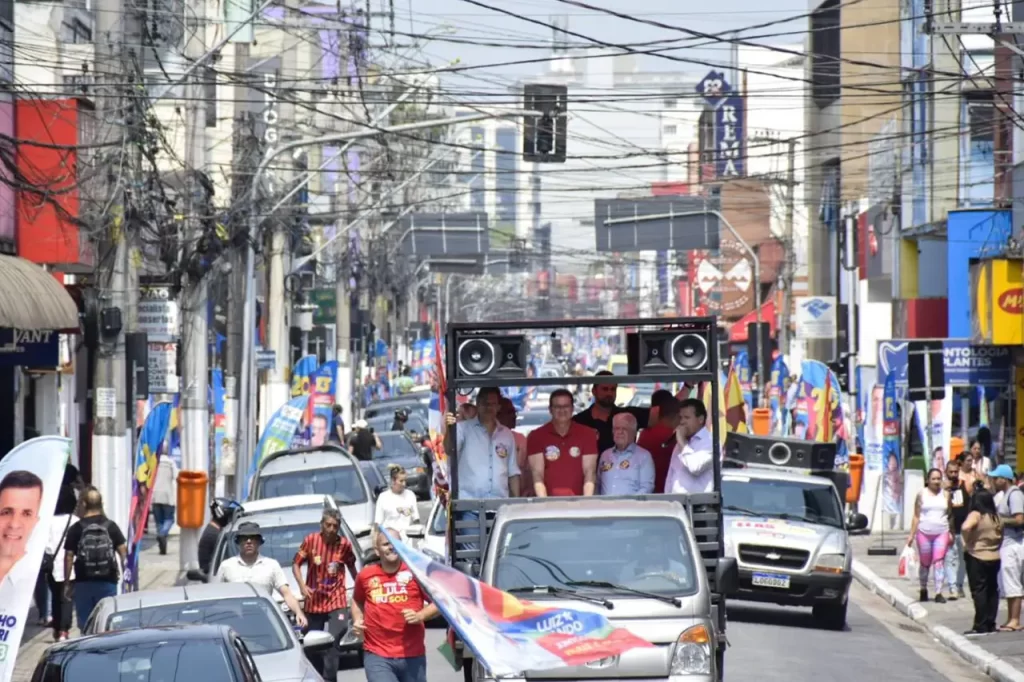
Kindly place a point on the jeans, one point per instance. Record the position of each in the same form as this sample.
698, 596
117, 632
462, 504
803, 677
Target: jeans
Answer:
336, 623
956, 566
89, 593
380, 669
984, 581
163, 515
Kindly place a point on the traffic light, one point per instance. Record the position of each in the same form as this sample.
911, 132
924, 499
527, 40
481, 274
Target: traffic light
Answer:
544, 133
841, 368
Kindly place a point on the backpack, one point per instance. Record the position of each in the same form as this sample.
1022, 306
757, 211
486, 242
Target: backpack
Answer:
94, 559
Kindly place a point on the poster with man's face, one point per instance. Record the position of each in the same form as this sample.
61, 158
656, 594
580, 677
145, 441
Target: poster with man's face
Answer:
30, 479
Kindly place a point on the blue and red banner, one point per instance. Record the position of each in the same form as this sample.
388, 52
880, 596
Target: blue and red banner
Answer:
147, 457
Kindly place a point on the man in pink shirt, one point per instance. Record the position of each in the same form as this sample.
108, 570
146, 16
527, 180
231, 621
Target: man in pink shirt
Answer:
507, 418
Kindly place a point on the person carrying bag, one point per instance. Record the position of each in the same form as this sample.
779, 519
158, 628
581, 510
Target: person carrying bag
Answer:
60, 599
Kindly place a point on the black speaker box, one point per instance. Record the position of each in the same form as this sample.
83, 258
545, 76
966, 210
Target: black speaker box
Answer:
793, 453
487, 355
676, 350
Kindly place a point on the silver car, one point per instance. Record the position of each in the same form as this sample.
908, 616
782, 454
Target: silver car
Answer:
248, 610
326, 470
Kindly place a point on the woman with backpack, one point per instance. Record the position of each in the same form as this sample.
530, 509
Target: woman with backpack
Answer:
63, 518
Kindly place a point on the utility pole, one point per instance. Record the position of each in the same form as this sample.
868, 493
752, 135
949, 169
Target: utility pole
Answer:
195, 427
849, 261
789, 265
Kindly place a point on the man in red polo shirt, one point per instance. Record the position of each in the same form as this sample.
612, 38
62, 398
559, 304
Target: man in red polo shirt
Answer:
659, 438
562, 453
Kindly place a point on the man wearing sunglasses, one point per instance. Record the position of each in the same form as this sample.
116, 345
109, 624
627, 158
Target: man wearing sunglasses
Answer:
250, 567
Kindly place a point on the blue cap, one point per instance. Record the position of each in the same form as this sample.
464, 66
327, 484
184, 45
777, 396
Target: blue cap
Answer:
1002, 471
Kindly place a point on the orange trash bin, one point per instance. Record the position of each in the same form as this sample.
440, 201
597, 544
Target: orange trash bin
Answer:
762, 421
856, 479
192, 498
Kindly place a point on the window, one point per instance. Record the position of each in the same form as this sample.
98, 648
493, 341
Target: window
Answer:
210, 95
670, 130
977, 150
176, 661
75, 32
771, 498
825, 43
671, 103
396, 446
343, 483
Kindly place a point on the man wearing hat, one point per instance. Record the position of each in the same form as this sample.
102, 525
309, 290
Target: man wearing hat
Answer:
1010, 506
251, 567
363, 441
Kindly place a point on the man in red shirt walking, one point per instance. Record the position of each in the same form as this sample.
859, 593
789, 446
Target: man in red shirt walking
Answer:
563, 453
326, 554
389, 610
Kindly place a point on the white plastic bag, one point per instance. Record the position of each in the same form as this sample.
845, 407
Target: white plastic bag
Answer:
909, 563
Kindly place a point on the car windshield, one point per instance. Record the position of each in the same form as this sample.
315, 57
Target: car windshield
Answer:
777, 498
173, 661
396, 446
343, 483
257, 621
280, 543
651, 554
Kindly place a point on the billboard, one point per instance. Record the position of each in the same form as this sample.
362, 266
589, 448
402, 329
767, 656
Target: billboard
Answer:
729, 132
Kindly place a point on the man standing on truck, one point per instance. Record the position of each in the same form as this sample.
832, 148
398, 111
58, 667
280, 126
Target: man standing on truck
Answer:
626, 468
692, 468
563, 453
659, 438
486, 451
599, 415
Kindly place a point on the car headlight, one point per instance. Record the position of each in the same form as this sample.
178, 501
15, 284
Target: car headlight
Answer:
692, 655
830, 563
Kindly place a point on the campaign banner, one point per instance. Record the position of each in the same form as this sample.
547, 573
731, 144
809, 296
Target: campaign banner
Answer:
936, 441
217, 396
510, 636
30, 479
279, 434
873, 432
892, 480
147, 458
320, 414
302, 375
780, 375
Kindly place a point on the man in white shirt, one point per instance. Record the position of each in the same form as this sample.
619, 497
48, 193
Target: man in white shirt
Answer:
692, 467
250, 567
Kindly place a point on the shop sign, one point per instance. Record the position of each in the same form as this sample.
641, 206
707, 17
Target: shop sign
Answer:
163, 368
21, 348
964, 363
158, 313
998, 295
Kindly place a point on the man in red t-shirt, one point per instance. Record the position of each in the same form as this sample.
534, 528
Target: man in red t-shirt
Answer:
326, 554
389, 610
562, 453
659, 439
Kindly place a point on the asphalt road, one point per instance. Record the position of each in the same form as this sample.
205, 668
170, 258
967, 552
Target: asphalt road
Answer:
775, 644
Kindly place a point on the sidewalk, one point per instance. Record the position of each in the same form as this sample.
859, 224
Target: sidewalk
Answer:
155, 572
999, 655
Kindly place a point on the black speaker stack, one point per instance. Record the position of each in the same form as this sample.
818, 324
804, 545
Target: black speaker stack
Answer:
742, 449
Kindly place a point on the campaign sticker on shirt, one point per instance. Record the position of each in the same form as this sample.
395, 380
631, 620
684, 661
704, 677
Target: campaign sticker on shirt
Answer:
606, 465
403, 577
624, 464
500, 451
574, 451
551, 453
317, 560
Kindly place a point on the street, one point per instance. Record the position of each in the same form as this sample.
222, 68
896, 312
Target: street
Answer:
782, 645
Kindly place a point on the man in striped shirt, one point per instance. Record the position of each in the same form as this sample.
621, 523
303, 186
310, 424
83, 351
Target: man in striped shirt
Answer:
326, 555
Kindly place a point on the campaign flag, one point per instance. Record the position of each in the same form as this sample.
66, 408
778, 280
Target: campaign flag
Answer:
278, 435
217, 395
320, 413
780, 374
819, 407
510, 636
30, 476
892, 473
741, 364
735, 403
147, 457
302, 375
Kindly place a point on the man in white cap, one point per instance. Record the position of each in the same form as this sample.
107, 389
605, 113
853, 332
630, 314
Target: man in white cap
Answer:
363, 441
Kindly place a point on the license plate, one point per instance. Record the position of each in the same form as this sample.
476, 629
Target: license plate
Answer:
771, 580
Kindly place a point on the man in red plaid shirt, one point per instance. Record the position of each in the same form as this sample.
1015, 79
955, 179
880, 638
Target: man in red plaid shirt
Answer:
326, 555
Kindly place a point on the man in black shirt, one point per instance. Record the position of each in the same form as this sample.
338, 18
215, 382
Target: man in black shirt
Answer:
362, 441
96, 548
599, 415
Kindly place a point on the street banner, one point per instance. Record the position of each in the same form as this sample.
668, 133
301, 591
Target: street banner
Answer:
279, 434
217, 395
320, 415
892, 480
30, 479
936, 441
509, 636
147, 458
302, 375
872, 434
779, 376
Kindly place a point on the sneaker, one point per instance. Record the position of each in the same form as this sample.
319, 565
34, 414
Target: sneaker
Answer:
960, 593
939, 599
924, 595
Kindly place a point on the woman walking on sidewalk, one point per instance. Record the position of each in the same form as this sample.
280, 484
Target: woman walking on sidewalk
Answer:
930, 530
983, 535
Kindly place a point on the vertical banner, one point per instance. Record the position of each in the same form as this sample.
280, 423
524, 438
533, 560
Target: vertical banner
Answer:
279, 434
892, 476
217, 395
147, 458
935, 441
780, 374
30, 479
321, 403
874, 428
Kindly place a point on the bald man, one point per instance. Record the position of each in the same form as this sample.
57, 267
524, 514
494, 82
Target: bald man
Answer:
625, 468
96, 548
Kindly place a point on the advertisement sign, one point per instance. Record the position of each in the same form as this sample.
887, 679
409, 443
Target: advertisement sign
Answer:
729, 136
158, 313
815, 317
892, 481
964, 364
29, 348
997, 289
726, 280
163, 368
30, 478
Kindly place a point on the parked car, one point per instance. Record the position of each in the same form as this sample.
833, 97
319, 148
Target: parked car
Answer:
400, 449
248, 610
416, 403
378, 481
383, 422
193, 653
325, 470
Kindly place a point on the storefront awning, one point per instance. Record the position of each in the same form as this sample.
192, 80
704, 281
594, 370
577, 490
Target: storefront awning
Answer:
31, 299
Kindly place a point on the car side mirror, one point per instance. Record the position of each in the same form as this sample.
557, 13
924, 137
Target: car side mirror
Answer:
415, 531
727, 576
857, 522
317, 640
196, 575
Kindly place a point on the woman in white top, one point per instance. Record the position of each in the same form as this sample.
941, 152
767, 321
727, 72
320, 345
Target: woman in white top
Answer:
63, 518
165, 497
398, 507
930, 529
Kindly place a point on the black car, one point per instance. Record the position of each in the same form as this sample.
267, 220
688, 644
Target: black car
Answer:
193, 653
399, 448
383, 422
417, 403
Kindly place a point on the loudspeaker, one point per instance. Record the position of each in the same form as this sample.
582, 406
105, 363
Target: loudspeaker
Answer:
793, 453
484, 355
677, 350
919, 385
